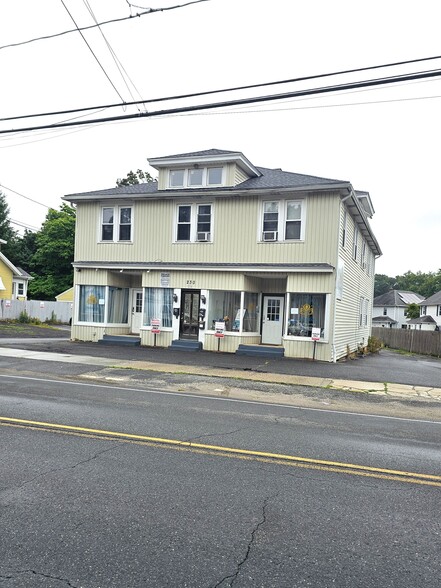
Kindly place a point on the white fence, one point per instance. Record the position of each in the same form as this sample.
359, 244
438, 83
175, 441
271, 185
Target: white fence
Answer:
43, 310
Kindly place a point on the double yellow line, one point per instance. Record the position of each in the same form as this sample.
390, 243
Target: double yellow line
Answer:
262, 456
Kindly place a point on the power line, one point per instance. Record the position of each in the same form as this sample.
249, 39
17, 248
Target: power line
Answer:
23, 196
93, 53
224, 90
139, 14
28, 227
242, 101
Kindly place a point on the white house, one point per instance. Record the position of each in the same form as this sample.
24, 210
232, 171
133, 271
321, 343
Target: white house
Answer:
430, 314
389, 309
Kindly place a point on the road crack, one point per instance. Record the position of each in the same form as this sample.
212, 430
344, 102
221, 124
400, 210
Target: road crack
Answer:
233, 577
12, 575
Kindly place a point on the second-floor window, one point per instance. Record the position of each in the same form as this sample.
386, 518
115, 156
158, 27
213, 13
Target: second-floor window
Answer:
282, 220
196, 177
116, 223
194, 222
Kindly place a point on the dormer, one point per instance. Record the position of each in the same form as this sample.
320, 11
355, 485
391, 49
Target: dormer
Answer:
366, 202
211, 169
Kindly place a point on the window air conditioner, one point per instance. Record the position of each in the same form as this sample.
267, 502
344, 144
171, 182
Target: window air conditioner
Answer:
204, 236
269, 235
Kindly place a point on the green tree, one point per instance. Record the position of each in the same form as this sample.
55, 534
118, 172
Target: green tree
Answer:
425, 284
383, 284
7, 233
24, 249
52, 261
138, 177
413, 311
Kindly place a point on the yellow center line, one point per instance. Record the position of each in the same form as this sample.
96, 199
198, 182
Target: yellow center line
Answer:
321, 464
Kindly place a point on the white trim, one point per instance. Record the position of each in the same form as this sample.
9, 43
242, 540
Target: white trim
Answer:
282, 212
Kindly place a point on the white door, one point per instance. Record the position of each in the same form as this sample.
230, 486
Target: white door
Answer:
272, 324
136, 311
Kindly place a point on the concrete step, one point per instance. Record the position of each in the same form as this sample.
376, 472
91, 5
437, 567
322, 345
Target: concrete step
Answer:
121, 340
186, 345
268, 351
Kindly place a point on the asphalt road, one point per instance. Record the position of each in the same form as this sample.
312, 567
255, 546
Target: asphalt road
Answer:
164, 495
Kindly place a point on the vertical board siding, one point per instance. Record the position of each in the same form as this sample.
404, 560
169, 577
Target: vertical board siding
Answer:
236, 234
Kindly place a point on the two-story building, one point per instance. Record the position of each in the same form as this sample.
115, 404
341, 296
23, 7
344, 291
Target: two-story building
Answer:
218, 246
390, 308
430, 314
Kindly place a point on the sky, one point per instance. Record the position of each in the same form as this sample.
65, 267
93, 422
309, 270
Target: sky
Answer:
384, 140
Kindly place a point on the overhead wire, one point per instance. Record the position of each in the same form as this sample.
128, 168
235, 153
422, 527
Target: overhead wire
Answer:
225, 90
93, 53
242, 101
121, 69
114, 20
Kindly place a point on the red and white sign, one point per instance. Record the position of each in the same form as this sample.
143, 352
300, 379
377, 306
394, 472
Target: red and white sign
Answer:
155, 324
219, 329
315, 334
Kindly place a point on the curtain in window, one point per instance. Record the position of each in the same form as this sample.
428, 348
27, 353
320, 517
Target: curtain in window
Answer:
158, 304
118, 305
250, 318
307, 311
91, 304
224, 306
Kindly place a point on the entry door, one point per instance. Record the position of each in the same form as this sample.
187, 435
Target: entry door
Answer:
136, 311
272, 323
189, 325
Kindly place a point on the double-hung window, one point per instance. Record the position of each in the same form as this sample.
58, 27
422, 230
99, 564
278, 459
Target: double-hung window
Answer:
282, 220
116, 223
194, 223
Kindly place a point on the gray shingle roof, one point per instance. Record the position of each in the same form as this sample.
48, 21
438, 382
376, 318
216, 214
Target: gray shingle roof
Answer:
434, 299
397, 298
422, 320
270, 178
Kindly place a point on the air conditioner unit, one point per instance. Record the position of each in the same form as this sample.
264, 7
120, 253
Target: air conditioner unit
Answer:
269, 236
204, 237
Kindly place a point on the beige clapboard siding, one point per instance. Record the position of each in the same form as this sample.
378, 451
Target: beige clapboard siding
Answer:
356, 283
236, 234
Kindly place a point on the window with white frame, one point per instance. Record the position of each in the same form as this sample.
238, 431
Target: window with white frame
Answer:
364, 309
194, 223
438, 310
307, 311
363, 254
196, 177
344, 227
116, 223
158, 304
20, 289
103, 304
423, 311
282, 220
355, 243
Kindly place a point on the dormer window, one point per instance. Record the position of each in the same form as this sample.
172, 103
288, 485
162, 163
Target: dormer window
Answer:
196, 177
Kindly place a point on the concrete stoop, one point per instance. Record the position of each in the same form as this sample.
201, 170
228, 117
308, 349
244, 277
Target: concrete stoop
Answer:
121, 340
186, 345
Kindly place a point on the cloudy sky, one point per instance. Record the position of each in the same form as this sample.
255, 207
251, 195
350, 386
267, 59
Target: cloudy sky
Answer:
384, 140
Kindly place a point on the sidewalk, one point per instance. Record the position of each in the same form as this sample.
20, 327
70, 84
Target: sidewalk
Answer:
370, 375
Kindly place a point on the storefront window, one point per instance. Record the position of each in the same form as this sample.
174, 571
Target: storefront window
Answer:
306, 311
250, 318
224, 306
91, 307
158, 304
118, 305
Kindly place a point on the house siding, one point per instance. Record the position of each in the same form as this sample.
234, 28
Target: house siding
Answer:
357, 283
6, 276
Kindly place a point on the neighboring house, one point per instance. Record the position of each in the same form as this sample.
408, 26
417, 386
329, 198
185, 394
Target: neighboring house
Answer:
13, 280
66, 296
218, 246
430, 314
389, 309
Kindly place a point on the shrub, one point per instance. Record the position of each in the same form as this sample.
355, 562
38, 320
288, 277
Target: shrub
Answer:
24, 317
374, 344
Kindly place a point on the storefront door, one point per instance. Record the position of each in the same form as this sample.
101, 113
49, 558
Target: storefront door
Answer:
136, 311
272, 322
189, 323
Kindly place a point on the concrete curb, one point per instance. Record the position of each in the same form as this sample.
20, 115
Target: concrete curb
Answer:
390, 390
